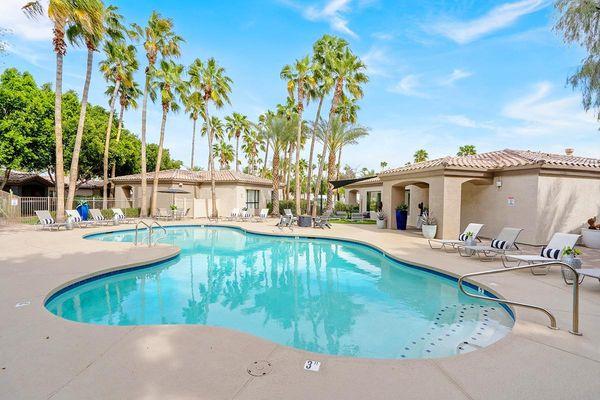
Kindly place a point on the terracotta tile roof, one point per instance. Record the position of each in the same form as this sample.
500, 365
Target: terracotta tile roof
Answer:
19, 177
180, 175
501, 159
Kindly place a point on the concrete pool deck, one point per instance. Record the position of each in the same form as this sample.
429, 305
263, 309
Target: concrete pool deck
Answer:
45, 357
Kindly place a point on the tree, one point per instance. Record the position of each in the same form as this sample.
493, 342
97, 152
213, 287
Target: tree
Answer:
166, 83
297, 76
579, 23
158, 38
236, 125
224, 152
118, 67
251, 144
420, 156
466, 150
383, 165
166, 162
215, 87
62, 13
194, 104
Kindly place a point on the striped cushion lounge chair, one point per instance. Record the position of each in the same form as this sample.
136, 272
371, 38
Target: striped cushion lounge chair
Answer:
449, 244
503, 243
47, 222
552, 251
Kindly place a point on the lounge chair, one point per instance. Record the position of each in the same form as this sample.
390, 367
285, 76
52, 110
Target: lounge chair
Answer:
262, 217
99, 218
462, 238
77, 220
234, 215
288, 213
245, 215
357, 217
323, 221
285, 221
591, 272
552, 251
120, 215
504, 242
47, 222
162, 213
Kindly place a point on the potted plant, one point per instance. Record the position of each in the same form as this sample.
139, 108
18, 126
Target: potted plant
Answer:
380, 220
471, 241
83, 208
569, 256
401, 216
590, 236
429, 227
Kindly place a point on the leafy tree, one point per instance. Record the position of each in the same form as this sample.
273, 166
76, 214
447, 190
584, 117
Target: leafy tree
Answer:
420, 155
236, 125
383, 165
166, 162
466, 150
224, 152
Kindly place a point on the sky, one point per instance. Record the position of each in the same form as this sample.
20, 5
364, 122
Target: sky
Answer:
443, 73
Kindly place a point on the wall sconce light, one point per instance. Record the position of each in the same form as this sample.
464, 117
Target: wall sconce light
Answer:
499, 183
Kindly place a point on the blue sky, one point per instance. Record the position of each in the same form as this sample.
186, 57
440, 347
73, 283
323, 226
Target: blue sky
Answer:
443, 73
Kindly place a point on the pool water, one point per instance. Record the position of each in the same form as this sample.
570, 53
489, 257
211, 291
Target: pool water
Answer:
326, 296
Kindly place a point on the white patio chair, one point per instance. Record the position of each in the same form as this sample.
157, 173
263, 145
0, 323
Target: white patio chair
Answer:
245, 215
45, 221
552, 251
462, 238
234, 215
504, 242
99, 218
120, 216
262, 217
288, 213
77, 220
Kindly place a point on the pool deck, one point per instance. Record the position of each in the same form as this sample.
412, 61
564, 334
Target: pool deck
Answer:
45, 357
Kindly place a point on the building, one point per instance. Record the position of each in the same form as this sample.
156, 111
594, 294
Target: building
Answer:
233, 190
32, 184
540, 192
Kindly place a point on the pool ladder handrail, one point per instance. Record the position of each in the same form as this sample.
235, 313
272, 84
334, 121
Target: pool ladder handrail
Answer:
150, 230
575, 328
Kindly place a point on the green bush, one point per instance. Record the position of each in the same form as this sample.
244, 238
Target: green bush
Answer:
291, 204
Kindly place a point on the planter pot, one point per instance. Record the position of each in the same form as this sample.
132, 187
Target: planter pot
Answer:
591, 238
471, 242
429, 231
567, 273
305, 221
83, 211
381, 223
401, 217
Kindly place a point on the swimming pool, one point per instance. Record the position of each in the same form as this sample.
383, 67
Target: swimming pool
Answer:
326, 296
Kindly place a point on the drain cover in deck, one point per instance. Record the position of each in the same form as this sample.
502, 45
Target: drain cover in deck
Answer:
259, 368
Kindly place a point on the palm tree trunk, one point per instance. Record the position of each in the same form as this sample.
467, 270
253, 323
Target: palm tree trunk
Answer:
118, 139
275, 196
80, 125
297, 190
211, 166
58, 133
107, 145
310, 157
161, 142
330, 177
237, 145
266, 157
143, 203
339, 163
193, 143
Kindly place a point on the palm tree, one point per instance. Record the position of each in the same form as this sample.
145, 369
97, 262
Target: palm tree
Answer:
194, 104
420, 155
167, 83
215, 87
251, 143
383, 165
62, 13
224, 152
118, 67
236, 125
159, 38
101, 19
466, 150
297, 77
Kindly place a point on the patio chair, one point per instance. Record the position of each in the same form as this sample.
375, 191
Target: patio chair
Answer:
120, 215
245, 215
183, 214
323, 221
47, 222
262, 217
504, 242
99, 218
285, 221
462, 238
77, 220
357, 217
552, 251
591, 272
288, 213
234, 215
162, 213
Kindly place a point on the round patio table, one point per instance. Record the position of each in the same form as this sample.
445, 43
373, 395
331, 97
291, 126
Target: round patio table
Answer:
305, 221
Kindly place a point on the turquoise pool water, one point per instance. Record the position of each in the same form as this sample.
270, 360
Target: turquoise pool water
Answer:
325, 296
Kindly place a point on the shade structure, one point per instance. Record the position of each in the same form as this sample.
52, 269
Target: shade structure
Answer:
345, 182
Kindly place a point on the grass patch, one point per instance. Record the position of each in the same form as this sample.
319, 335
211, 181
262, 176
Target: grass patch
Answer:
349, 222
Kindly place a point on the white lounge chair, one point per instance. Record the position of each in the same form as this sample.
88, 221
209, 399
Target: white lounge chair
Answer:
323, 221
77, 220
163, 213
262, 217
99, 218
47, 222
591, 272
245, 215
552, 251
462, 238
120, 215
288, 213
504, 242
234, 215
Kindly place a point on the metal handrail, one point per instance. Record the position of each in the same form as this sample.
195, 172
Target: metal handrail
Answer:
574, 331
137, 225
154, 222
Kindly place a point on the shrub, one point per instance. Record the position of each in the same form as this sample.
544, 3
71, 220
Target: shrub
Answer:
291, 204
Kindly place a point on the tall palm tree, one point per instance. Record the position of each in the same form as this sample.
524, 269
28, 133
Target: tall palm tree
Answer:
251, 144
168, 84
63, 13
215, 87
421, 155
224, 152
236, 125
297, 76
216, 127
348, 112
117, 67
194, 105
101, 19
158, 38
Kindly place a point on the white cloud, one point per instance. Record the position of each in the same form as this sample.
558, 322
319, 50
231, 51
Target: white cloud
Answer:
460, 120
377, 61
17, 23
382, 36
497, 18
456, 75
331, 11
410, 85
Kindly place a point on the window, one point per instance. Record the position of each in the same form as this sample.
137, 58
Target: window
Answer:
252, 197
373, 201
